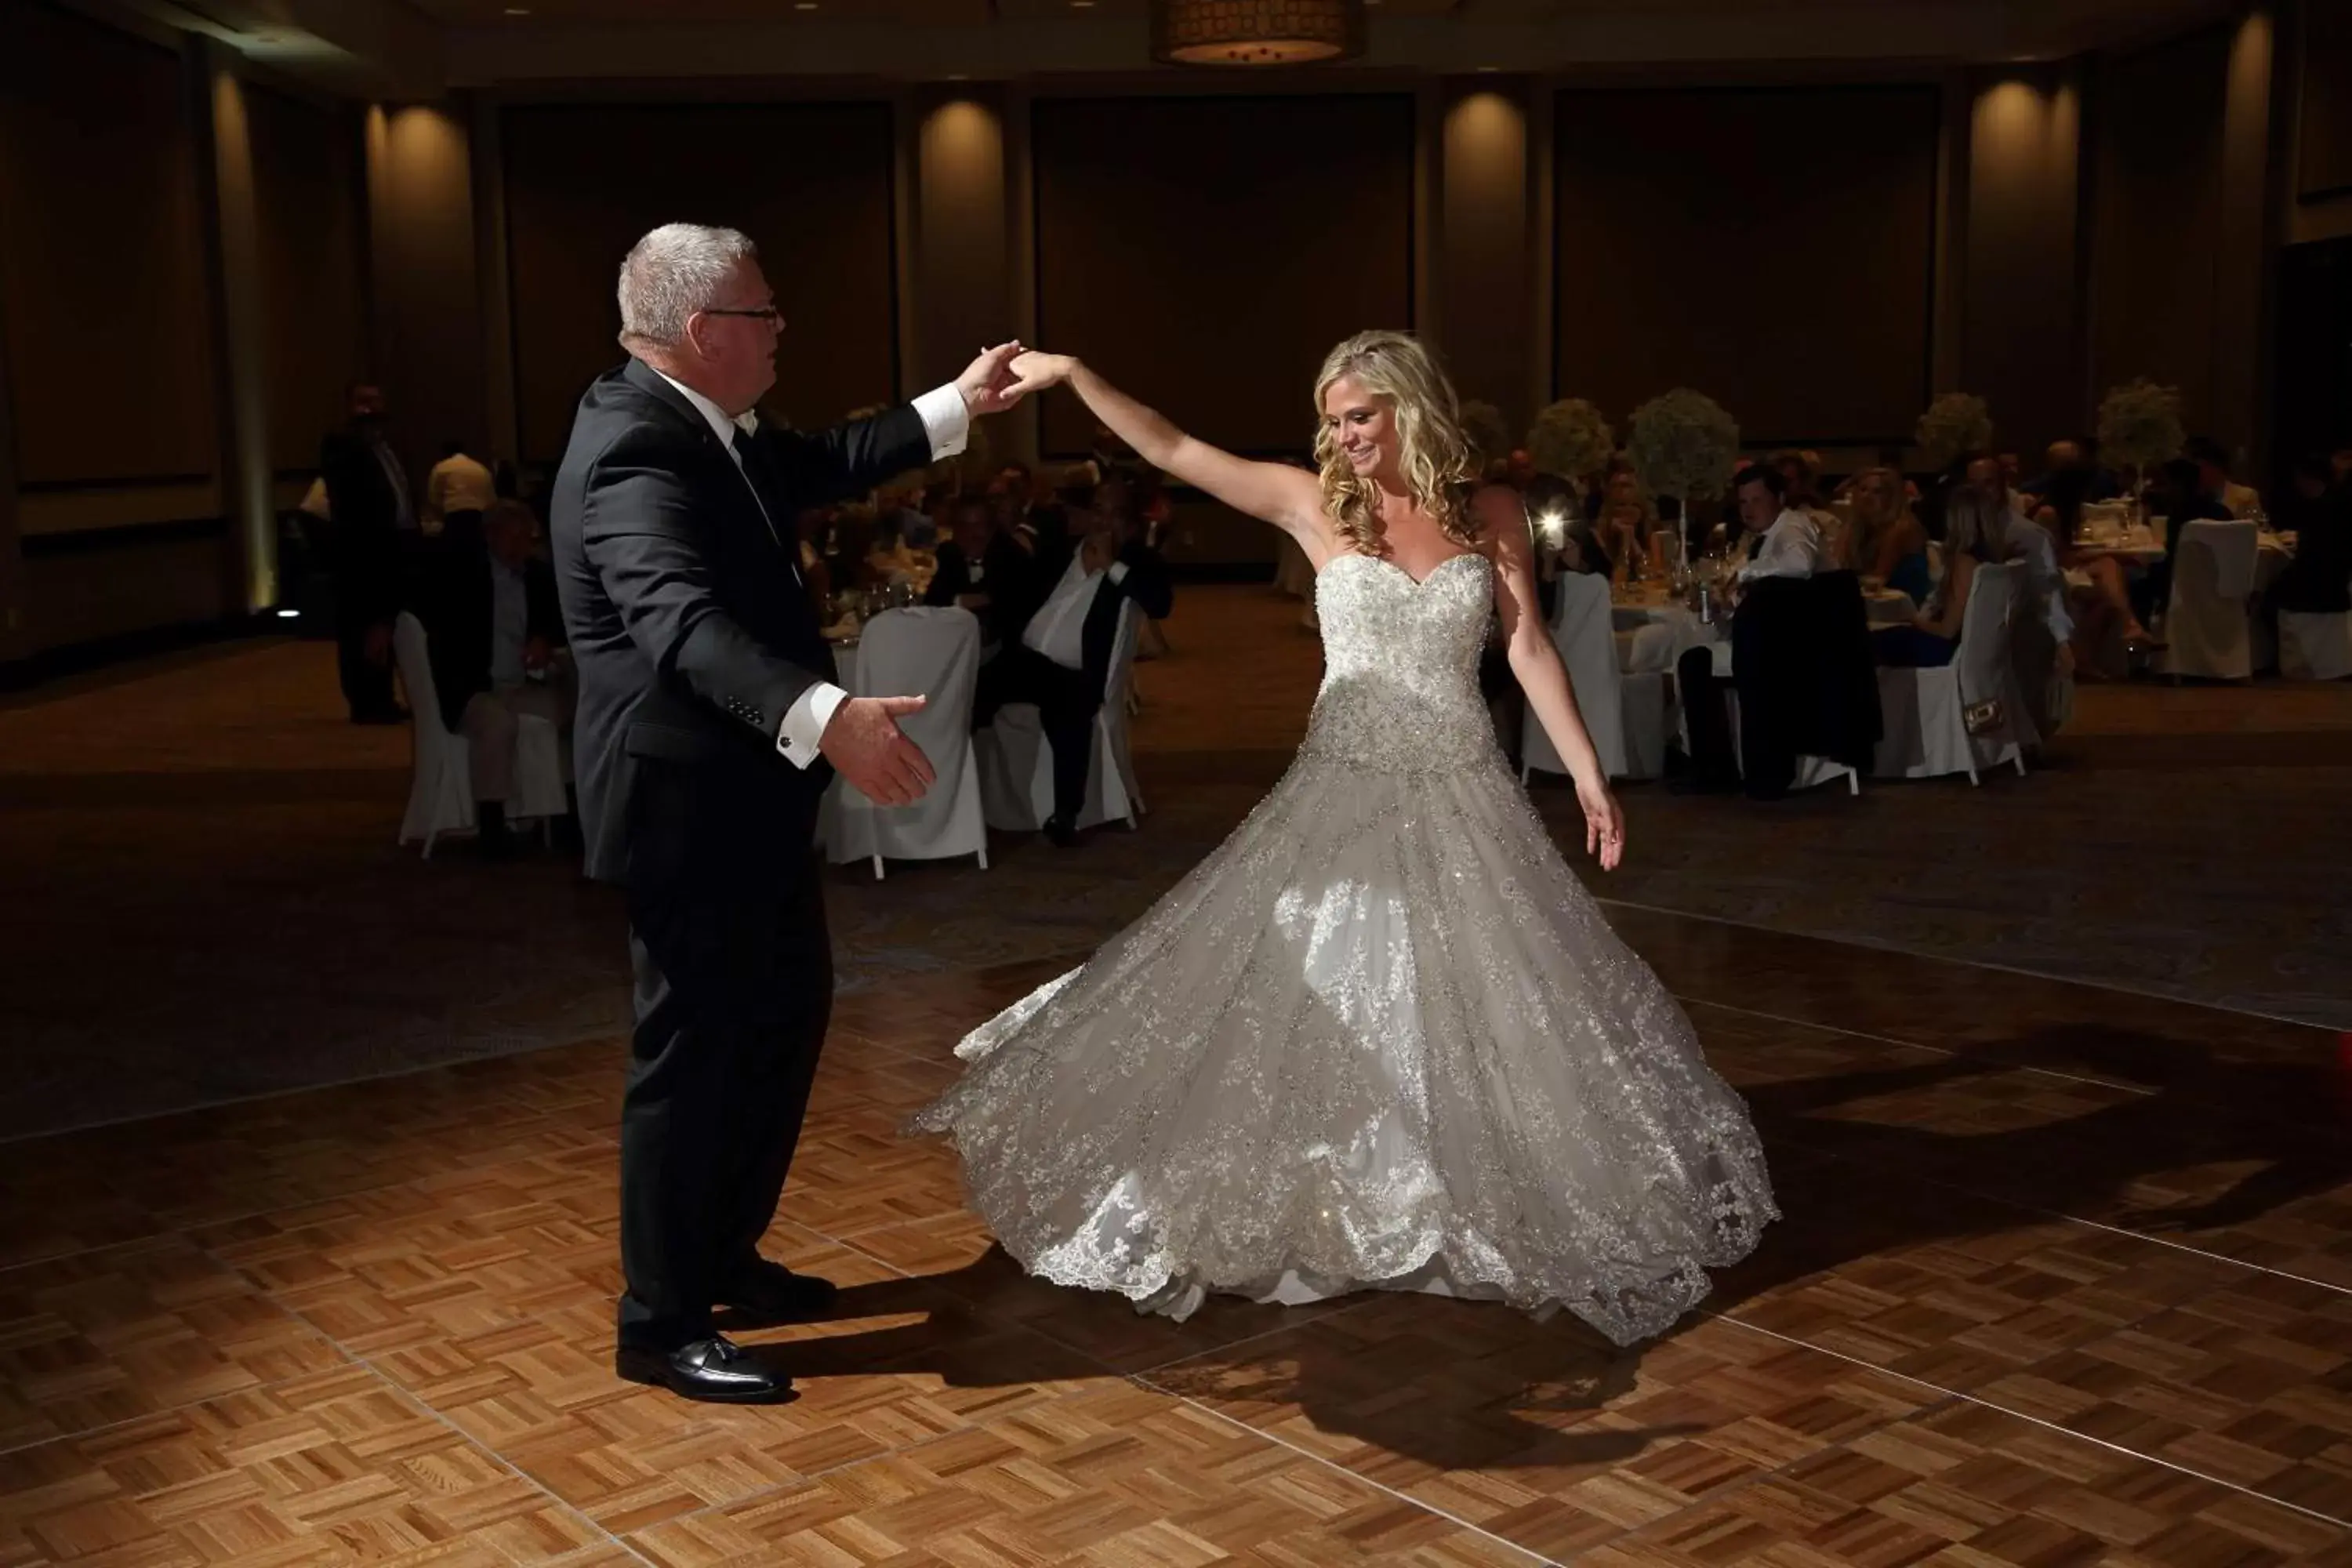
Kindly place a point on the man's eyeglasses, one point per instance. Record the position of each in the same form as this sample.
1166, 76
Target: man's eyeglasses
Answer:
764, 313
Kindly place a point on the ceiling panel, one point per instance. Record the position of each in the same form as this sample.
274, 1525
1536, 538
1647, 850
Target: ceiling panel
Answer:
891, 13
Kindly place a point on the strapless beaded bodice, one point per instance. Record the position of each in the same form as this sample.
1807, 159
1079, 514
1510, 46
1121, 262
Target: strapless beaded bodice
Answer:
1401, 666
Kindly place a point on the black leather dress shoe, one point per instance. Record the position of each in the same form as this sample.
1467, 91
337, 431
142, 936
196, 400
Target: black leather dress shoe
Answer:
1060, 833
716, 1370
772, 1293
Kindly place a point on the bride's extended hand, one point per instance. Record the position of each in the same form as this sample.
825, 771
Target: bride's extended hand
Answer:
1034, 372
1604, 822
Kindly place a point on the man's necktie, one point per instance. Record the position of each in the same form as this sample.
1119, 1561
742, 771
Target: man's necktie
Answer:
763, 491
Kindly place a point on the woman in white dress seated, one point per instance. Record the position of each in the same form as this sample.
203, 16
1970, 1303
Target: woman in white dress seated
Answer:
1381, 1037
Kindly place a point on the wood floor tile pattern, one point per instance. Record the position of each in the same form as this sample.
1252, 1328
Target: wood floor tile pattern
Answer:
372, 1323
2067, 1278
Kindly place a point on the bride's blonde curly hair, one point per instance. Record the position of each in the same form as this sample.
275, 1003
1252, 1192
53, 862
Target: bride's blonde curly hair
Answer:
1435, 457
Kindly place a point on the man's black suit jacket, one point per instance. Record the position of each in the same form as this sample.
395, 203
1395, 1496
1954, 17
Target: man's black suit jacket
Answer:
1146, 581
689, 629
458, 607
1005, 570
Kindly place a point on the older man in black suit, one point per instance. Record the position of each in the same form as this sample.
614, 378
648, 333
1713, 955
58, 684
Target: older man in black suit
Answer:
708, 726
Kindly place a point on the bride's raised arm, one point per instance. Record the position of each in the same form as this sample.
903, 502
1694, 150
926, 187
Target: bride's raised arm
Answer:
1290, 498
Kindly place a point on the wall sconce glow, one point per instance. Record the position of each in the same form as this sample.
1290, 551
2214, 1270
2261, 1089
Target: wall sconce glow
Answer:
1256, 32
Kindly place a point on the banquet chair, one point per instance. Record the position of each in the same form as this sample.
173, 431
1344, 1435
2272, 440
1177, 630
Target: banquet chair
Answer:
2314, 646
935, 651
2205, 624
1925, 711
1016, 766
441, 789
1581, 631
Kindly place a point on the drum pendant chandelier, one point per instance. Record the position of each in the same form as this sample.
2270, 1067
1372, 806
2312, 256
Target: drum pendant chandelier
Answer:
1256, 32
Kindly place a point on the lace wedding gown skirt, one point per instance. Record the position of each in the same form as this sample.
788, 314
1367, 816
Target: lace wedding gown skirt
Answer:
1380, 1038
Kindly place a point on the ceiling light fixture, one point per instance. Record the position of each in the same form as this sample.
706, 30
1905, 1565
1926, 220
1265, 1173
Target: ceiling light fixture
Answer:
518, 10
1256, 32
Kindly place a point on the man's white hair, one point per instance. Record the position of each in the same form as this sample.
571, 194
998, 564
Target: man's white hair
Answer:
673, 272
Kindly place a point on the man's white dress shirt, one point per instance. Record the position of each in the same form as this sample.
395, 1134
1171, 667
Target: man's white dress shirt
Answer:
1792, 548
946, 421
1058, 629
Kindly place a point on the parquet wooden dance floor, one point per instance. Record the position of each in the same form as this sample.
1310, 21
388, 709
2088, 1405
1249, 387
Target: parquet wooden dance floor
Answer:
2072, 1284
2066, 1276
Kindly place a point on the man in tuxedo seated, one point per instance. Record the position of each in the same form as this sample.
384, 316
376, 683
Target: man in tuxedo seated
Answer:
1777, 540
978, 566
492, 626
1058, 657
1026, 512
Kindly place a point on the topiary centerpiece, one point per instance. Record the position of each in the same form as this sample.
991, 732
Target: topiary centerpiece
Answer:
1571, 438
1682, 444
1954, 423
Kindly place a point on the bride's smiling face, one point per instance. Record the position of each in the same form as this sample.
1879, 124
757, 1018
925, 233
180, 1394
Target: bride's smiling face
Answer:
1362, 426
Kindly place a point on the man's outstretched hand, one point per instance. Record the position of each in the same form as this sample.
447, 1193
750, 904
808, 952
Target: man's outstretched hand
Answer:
988, 383
865, 746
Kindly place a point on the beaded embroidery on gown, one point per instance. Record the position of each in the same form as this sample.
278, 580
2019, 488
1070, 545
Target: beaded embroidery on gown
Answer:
1381, 1037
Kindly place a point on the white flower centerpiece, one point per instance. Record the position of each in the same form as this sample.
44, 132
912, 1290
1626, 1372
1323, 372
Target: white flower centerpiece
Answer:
1682, 444
1955, 422
2140, 428
1571, 438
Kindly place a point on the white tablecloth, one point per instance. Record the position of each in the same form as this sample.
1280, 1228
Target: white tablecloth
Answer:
1887, 608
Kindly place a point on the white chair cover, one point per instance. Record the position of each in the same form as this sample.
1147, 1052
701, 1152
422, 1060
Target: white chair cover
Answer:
1016, 766
2314, 646
2213, 573
1581, 630
934, 652
441, 788
1925, 712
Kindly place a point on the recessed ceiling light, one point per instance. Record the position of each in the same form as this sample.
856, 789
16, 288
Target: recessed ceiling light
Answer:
518, 10
803, 4
1082, 4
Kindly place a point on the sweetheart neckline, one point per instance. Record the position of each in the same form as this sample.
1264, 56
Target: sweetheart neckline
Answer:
1384, 561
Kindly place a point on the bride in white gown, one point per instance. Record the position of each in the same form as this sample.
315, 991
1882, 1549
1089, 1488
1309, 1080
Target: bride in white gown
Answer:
1383, 1037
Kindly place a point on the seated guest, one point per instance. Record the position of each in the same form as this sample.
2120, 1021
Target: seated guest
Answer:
2073, 458
1059, 658
1976, 527
2213, 481
1801, 476
979, 569
492, 626
1630, 538
1778, 542
2107, 607
1890, 541
1782, 540
457, 484
2318, 581
2179, 492
1026, 509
